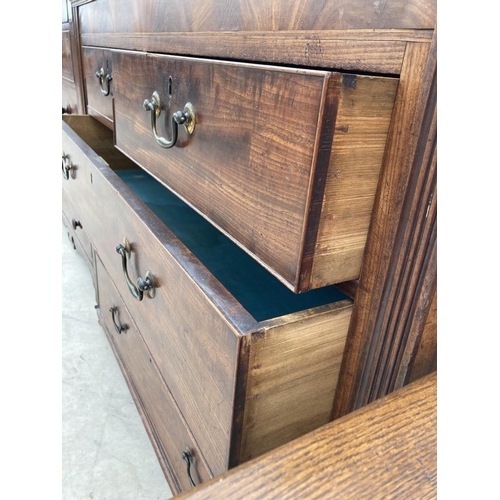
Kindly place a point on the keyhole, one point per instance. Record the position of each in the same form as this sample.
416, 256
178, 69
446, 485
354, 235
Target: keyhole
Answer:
169, 86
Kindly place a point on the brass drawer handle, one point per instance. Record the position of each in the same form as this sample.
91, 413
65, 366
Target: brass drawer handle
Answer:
102, 78
143, 285
118, 329
188, 458
186, 118
67, 166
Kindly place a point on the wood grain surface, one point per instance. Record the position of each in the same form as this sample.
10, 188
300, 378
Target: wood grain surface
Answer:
98, 105
363, 119
398, 258
255, 162
377, 52
237, 382
79, 231
425, 358
293, 371
197, 347
261, 153
67, 65
153, 395
151, 16
386, 450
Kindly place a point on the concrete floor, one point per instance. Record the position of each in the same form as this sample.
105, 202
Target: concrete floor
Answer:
106, 452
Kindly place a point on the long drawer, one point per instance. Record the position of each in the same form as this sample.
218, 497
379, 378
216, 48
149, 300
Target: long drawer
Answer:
151, 394
285, 161
250, 364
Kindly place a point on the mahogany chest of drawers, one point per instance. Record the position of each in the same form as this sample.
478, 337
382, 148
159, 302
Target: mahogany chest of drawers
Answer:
221, 181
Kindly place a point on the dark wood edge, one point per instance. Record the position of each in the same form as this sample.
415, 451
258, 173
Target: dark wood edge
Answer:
414, 244
173, 402
374, 337
427, 288
317, 181
240, 392
266, 266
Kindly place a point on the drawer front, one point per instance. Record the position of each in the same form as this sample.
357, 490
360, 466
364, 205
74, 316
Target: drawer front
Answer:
98, 78
152, 395
195, 348
74, 224
255, 160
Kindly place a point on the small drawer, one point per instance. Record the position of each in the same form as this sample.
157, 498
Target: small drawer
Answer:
166, 427
285, 161
76, 230
98, 79
250, 364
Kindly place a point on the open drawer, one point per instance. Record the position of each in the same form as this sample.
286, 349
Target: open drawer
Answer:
285, 161
250, 364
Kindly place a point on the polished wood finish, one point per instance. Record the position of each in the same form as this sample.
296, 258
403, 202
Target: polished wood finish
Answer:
293, 371
99, 105
257, 162
374, 51
148, 388
363, 119
392, 334
208, 343
67, 66
400, 253
250, 165
387, 449
151, 16
183, 360
69, 90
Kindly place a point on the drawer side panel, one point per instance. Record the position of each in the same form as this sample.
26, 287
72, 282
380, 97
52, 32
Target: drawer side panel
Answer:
292, 376
363, 119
